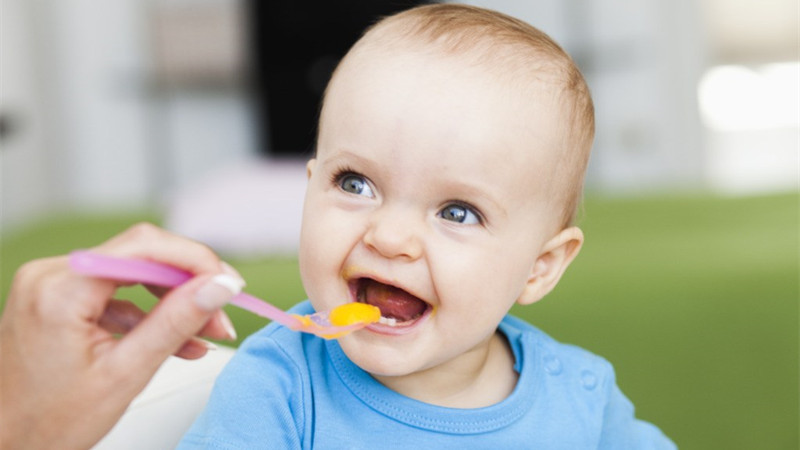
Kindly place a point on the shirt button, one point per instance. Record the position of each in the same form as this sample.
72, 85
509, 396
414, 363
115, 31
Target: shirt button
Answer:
589, 380
552, 365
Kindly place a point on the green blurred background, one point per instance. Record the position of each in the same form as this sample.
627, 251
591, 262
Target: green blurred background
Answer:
694, 299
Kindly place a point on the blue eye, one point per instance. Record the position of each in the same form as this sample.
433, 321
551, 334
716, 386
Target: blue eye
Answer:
355, 184
460, 214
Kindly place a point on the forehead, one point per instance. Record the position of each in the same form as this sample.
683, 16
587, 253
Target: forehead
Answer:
444, 102
435, 126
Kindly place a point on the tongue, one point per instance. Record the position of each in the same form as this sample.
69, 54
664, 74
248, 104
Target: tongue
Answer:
393, 302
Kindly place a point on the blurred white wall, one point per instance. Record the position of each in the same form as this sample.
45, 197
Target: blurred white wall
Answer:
689, 95
26, 169
101, 126
116, 105
642, 61
98, 57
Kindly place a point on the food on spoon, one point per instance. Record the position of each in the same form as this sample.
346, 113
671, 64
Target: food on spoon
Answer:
353, 313
305, 321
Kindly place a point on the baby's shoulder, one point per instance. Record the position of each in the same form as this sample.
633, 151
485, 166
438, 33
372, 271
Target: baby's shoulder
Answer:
277, 344
562, 361
579, 388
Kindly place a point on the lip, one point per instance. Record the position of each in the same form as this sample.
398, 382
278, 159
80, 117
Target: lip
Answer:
402, 328
389, 330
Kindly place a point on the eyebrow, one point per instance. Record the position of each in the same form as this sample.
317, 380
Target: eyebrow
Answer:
475, 192
347, 155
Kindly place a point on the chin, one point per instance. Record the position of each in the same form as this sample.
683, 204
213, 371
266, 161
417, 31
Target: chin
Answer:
377, 360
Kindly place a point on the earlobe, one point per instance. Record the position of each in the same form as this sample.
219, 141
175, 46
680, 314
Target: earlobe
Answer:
310, 165
556, 256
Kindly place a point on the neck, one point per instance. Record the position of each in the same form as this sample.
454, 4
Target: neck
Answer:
481, 377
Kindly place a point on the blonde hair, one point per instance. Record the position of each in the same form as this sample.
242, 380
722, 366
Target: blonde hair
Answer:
510, 48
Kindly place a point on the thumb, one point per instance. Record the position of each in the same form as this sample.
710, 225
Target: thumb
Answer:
179, 315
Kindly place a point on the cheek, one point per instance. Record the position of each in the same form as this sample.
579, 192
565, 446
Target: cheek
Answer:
317, 266
488, 280
314, 252
327, 237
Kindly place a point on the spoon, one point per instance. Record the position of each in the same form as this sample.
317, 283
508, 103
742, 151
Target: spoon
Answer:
332, 324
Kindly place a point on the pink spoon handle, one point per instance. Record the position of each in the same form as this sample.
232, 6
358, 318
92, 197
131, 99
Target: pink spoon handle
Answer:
260, 307
149, 272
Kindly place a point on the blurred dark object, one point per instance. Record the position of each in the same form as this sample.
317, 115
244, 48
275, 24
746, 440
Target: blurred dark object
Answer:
9, 125
294, 48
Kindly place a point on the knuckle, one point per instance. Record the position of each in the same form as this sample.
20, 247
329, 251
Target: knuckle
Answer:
25, 274
46, 290
31, 271
135, 233
35, 281
145, 238
49, 291
207, 253
143, 231
40, 303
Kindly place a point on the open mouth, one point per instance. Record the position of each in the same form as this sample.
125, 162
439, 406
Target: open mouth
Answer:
398, 307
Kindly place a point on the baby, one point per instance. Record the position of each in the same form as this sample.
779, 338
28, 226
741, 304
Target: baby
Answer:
450, 159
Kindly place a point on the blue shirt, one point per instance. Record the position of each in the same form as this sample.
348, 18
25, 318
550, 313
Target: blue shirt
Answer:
285, 389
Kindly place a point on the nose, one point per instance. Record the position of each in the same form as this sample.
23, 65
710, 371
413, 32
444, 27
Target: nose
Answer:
394, 233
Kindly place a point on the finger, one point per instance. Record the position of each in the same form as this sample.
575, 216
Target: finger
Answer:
195, 348
148, 241
120, 317
219, 327
157, 291
160, 291
173, 321
48, 290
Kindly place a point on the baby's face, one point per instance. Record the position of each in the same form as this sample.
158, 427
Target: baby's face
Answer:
424, 200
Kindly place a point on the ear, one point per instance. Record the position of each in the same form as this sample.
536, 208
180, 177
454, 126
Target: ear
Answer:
310, 165
556, 256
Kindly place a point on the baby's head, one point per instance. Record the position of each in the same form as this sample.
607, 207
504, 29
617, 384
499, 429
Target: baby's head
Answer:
512, 54
451, 152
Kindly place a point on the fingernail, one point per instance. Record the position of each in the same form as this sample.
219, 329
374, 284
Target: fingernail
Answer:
207, 344
218, 291
230, 270
228, 325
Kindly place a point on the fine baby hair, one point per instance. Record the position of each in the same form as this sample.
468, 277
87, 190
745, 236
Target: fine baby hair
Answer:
517, 54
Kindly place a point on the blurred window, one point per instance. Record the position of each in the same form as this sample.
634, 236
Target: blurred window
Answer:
295, 45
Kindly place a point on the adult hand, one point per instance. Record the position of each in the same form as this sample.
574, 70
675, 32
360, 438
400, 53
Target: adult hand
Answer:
65, 378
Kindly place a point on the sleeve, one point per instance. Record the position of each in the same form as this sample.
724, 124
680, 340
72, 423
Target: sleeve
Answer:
257, 402
622, 430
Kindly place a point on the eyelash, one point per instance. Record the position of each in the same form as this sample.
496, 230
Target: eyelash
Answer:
478, 215
342, 172
337, 174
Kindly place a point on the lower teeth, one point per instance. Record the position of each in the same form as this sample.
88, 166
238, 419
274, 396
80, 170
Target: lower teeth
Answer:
388, 321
